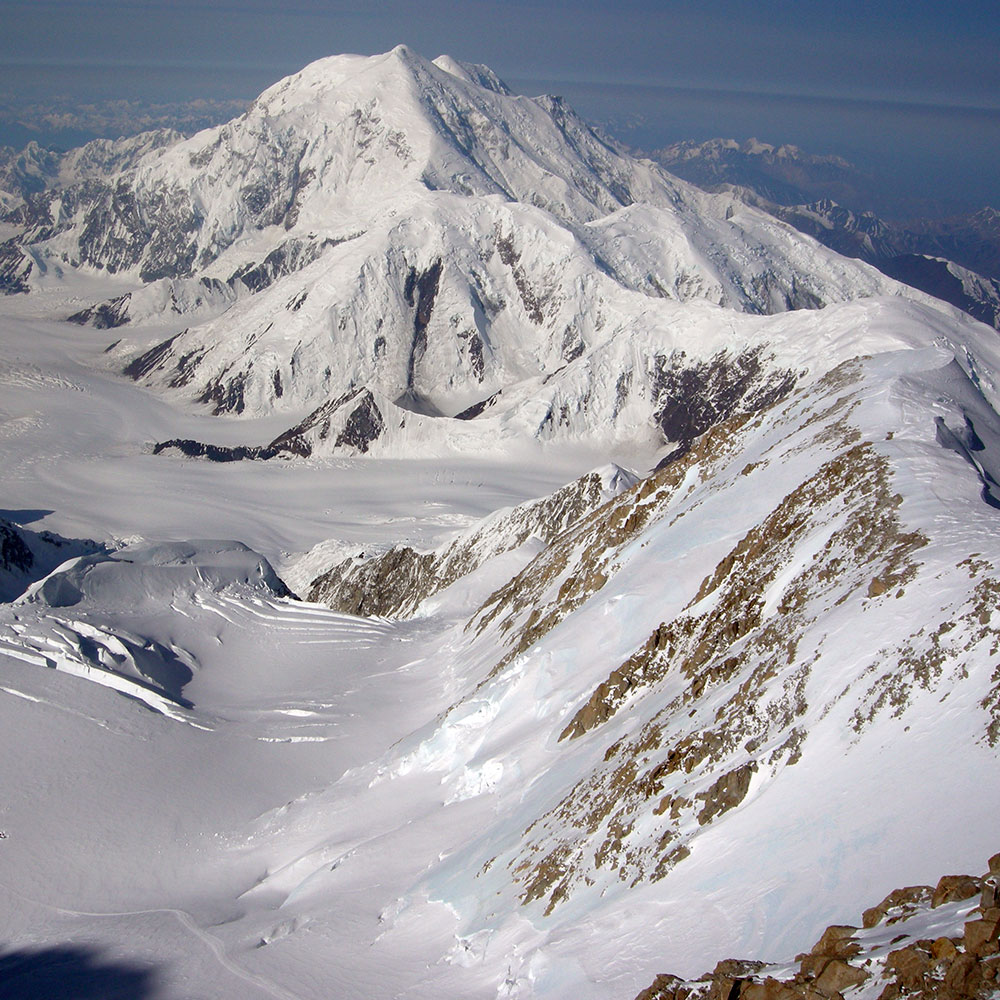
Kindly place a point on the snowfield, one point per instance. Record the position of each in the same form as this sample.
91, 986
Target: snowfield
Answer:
679, 644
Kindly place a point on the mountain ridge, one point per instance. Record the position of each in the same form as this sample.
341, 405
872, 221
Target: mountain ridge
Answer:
955, 259
414, 230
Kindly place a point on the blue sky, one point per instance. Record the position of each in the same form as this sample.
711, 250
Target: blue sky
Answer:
783, 70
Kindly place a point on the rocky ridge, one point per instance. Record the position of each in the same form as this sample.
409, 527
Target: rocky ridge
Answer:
396, 582
921, 941
719, 588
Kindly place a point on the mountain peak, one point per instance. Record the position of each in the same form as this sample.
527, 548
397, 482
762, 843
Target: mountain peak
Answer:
476, 73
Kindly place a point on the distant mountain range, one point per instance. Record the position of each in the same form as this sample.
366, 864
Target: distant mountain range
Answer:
955, 259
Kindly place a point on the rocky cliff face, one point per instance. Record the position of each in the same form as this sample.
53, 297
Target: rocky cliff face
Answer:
27, 556
395, 583
773, 606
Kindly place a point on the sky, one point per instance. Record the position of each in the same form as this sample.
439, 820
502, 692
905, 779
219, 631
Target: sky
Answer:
909, 87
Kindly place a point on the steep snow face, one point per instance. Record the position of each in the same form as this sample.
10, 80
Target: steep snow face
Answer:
462, 299
635, 705
27, 556
345, 139
663, 374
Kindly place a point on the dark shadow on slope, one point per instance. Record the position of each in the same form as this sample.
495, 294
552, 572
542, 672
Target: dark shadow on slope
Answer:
693, 396
355, 413
72, 971
931, 275
964, 442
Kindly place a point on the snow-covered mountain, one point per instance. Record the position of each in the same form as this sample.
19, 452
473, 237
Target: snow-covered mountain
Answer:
413, 232
643, 550
784, 174
34, 169
954, 259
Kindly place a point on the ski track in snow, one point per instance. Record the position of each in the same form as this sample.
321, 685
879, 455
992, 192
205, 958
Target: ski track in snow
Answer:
185, 919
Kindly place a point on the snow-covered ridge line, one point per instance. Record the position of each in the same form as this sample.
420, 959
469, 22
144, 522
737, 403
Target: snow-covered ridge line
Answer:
27, 556
413, 229
753, 604
396, 582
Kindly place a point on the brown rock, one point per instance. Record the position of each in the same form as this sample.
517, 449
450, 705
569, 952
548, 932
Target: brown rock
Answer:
727, 792
839, 976
991, 893
944, 948
837, 942
813, 965
952, 888
664, 987
981, 937
770, 989
994, 864
808, 993
964, 976
736, 968
909, 967
993, 963
912, 895
724, 987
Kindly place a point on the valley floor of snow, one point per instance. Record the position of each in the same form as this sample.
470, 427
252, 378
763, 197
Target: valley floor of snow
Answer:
133, 840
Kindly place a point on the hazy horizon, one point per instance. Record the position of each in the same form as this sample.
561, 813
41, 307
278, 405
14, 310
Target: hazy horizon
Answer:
906, 90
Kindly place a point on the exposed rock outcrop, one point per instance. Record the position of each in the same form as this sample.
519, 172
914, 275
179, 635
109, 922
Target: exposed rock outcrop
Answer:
27, 556
396, 582
963, 962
